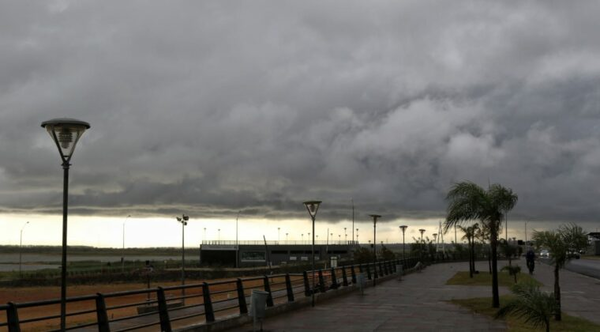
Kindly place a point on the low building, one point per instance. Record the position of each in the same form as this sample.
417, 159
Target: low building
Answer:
256, 253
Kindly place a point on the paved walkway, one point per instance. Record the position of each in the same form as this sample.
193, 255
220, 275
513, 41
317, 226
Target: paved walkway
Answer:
580, 294
419, 303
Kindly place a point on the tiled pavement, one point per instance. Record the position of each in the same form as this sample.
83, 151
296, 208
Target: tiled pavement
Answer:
580, 294
419, 303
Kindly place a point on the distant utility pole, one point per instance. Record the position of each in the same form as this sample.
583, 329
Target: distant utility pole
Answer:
352, 199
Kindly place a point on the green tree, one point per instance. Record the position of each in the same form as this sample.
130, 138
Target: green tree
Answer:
536, 307
386, 254
470, 233
512, 270
363, 255
467, 202
483, 235
508, 250
567, 238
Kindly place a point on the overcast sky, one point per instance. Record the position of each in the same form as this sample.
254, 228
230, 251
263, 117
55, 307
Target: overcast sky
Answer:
208, 108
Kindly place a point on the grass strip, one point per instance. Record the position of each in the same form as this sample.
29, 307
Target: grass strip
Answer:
482, 306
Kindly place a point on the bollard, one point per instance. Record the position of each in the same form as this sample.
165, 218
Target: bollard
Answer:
362, 281
257, 309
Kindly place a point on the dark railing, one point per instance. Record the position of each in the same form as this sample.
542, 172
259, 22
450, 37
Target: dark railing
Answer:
166, 308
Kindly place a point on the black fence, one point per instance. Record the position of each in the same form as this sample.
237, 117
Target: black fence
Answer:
167, 308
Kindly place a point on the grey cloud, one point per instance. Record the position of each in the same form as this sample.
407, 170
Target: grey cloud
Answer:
216, 107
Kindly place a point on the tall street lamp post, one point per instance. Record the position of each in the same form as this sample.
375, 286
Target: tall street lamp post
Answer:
123, 257
403, 228
65, 132
183, 220
21, 249
312, 207
375, 217
422, 244
237, 243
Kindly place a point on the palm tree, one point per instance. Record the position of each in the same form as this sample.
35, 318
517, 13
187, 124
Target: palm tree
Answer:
567, 238
470, 237
484, 236
512, 270
467, 202
532, 304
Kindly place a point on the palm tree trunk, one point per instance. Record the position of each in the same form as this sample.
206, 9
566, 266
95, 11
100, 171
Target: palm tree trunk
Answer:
557, 315
494, 245
490, 258
473, 251
470, 260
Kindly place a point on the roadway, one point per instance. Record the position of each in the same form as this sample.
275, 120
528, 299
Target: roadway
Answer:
587, 267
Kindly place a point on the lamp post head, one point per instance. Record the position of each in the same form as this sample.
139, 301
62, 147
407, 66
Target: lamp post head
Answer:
312, 207
183, 220
65, 132
375, 217
422, 231
403, 228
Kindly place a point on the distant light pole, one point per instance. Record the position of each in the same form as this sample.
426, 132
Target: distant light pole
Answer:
286, 237
422, 244
66, 133
403, 228
183, 220
352, 199
237, 244
204, 236
312, 207
219, 235
435, 240
357, 236
302, 238
21, 249
345, 236
123, 257
340, 238
278, 232
375, 217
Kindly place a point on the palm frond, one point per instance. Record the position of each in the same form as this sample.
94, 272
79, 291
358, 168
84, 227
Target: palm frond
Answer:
534, 306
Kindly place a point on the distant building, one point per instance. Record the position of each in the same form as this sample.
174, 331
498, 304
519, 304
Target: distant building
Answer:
256, 253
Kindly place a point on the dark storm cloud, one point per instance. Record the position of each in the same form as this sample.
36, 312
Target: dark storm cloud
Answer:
213, 108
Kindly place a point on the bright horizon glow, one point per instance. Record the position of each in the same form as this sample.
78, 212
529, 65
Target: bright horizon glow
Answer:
166, 232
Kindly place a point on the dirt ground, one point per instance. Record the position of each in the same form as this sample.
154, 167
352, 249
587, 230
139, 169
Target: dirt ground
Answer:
87, 308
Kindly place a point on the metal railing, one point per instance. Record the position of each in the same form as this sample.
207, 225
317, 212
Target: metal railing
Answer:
233, 243
166, 308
